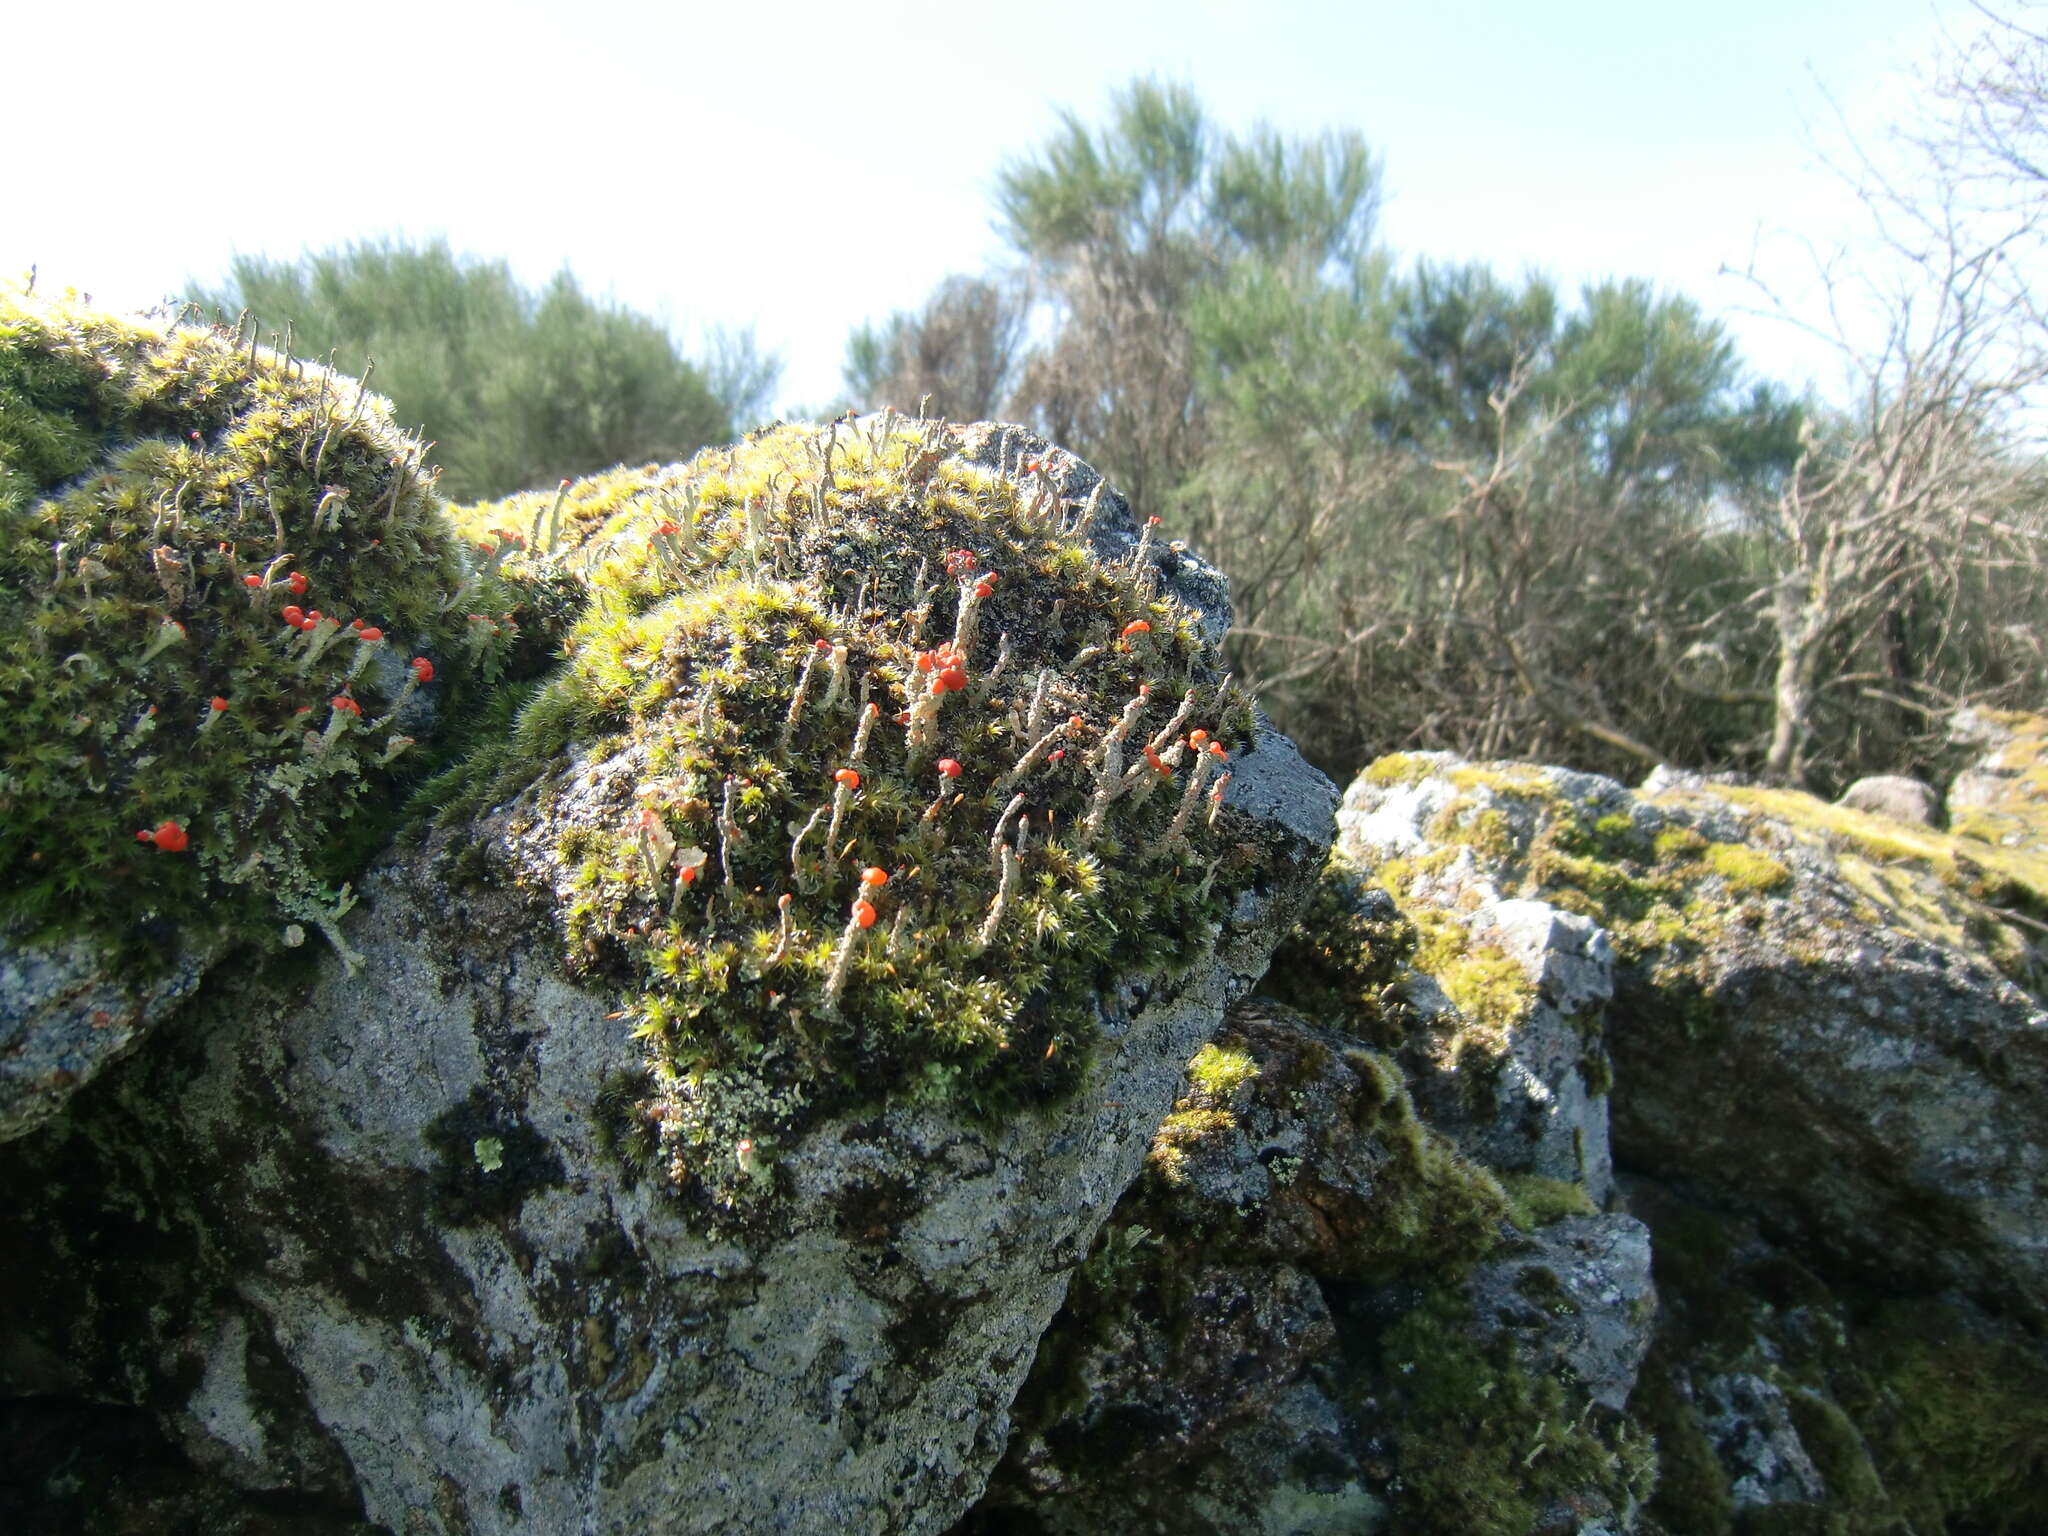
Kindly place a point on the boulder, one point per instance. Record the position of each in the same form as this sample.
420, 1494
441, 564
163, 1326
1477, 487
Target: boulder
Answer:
1896, 796
190, 742
1818, 1015
604, 1196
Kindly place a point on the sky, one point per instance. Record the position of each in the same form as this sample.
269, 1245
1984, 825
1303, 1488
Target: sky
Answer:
803, 168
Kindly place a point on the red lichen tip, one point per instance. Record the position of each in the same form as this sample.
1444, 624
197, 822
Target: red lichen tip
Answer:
252, 580
169, 837
347, 705
219, 705
864, 913
370, 635
847, 777
422, 669
949, 768
1137, 627
872, 878
298, 583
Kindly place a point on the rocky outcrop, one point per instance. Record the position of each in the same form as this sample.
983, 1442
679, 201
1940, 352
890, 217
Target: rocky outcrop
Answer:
1315, 1313
452, 1240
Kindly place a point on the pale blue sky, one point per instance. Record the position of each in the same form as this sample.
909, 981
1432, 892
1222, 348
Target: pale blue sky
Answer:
803, 167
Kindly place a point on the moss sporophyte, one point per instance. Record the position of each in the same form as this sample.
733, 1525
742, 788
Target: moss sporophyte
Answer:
173, 501
868, 800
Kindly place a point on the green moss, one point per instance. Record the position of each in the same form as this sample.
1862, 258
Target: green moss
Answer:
1483, 1445
1219, 1071
1745, 869
759, 644
1484, 829
1399, 768
1534, 1201
1959, 1431
1692, 1494
1340, 962
167, 496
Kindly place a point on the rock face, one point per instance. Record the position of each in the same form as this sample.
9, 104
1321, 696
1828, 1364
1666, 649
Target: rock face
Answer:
399, 1252
1528, 978
1310, 1311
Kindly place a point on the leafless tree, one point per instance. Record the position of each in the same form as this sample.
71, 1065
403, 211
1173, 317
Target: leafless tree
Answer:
1915, 511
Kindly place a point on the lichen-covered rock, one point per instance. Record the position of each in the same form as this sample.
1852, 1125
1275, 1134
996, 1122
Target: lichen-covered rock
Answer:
2002, 796
1806, 1025
216, 564
642, 1179
1238, 1355
1781, 1398
1511, 1065
1893, 795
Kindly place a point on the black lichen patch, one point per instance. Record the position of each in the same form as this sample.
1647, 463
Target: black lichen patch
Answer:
490, 1160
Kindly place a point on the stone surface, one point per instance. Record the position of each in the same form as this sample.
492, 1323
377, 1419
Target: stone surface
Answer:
388, 1262
1538, 1111
1896, 796
66, 1016
1220, 1370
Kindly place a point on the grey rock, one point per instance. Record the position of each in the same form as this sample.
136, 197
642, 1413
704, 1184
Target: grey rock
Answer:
1575, 1296
377, 1212
1759, 1448
1896, 796
67, 1014
1539, 1112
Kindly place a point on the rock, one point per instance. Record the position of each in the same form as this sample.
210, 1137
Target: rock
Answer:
2001, 796
1199, 1380
401, 1217
1803, 1028
1896, 796
1512, 984
1576, 1298
1753, 1434
164, 801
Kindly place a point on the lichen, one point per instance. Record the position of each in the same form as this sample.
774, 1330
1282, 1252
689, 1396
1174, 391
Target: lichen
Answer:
217, 566
901, 774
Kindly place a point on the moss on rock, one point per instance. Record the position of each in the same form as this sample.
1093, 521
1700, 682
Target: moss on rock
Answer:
217, 566
885, 773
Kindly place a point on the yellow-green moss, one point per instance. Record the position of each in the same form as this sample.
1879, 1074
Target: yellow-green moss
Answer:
753, 619
168, 495
1220, 1071
1745, 869
1399, 768
1534, 1201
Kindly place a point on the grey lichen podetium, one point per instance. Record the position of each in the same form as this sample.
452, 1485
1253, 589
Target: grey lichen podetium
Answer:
897, 897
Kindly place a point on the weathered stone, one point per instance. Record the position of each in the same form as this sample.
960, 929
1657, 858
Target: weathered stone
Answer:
387, 1254
1574, 1296
1754, 1435
1896, 796
1535, 1107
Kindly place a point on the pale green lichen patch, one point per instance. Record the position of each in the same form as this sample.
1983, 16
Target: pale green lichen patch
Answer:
217, 566
901, 775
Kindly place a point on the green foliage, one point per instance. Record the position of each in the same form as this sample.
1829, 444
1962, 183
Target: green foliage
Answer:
761, 645
520, 388
167, 497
